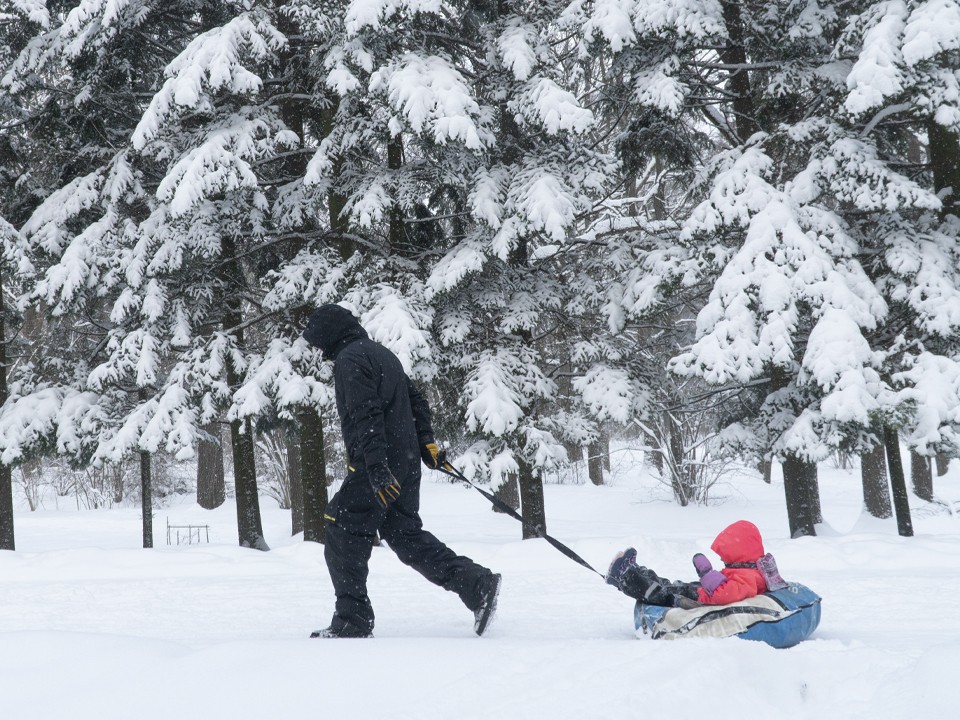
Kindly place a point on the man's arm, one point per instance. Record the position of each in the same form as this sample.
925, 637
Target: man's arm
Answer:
364, 406
422, 418
433, 455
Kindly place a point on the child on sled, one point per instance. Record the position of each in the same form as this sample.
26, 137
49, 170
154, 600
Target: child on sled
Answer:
748, 571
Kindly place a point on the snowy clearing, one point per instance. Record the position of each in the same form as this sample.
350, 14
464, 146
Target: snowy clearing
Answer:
92, 626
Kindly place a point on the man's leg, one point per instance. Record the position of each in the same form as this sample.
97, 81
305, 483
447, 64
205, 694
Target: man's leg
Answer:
403, 531
353, 518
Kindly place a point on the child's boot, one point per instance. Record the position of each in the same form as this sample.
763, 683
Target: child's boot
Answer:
622, 562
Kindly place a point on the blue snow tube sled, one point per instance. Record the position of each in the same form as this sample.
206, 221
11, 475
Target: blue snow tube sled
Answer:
781, 618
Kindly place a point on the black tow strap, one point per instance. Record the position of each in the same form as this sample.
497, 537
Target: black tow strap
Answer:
450, 470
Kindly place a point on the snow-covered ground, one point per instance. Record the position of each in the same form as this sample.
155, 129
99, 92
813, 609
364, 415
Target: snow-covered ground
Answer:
92, 626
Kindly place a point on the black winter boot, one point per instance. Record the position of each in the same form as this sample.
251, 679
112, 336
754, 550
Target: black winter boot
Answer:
340, 628
645, 585
489, 592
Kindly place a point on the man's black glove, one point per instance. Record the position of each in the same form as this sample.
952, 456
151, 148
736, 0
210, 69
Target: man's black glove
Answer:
386, 489
433, 455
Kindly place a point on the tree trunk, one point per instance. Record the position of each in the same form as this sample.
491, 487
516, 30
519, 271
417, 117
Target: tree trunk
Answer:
876, 485
655, 455
146, 498
675, 458
508, 493
313, 463
921, 477
944, 148
396, 232
734, 54
211, 485
295, 468
531, 499
6, 476
766, 470
595, 462
249, 525
802, 491
943, 464
901, 501
6, 509
605, 451
336, 202
116, 484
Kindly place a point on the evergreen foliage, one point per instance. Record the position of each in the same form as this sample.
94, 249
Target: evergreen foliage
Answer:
732, 224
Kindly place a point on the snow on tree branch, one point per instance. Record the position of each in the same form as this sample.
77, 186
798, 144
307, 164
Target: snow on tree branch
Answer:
370, 14
392, 319
429, 91
48, 414
607, 392
35, 10
212, 62
221, 164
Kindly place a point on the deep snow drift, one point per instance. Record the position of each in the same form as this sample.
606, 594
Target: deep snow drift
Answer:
92, 626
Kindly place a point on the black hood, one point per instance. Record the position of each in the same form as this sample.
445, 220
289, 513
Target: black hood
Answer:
331, 328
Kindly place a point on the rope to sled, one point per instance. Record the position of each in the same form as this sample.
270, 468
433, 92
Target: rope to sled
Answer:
448, 469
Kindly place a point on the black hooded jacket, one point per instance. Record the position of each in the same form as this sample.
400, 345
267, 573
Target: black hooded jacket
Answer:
382, 415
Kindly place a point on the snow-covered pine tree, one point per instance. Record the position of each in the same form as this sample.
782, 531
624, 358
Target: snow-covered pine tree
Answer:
51, 142
359, 205
901, 100
21, 21
214, 136
843, 275
10, 246
642, 60
498, 289
108, 242
786, 280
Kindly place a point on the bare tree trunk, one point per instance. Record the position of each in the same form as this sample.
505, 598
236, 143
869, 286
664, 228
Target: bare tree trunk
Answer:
574, 452
921, 476
901, 501
655, 455
6, 509
146, 498
766, 470
6, 476
314, 466
249, 524
802, 491
508, 493
605, 450
531, 499
681, 492
294, 467
943, 464
211, 485
116, 484
595, 463
876, 486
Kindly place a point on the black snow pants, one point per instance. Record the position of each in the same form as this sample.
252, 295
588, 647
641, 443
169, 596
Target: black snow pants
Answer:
353, 519
643, 584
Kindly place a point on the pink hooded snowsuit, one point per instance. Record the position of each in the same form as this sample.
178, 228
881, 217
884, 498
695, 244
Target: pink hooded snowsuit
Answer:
737, 543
